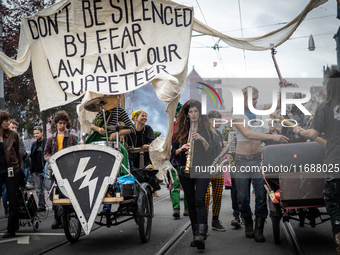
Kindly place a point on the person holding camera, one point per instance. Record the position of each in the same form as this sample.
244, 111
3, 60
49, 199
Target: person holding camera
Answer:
10, 161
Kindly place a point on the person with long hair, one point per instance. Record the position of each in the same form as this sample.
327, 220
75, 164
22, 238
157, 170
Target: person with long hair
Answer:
327, 119
248, 156
10, 161
196, 183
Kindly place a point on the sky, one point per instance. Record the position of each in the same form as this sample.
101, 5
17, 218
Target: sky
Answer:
235, 66
258, 18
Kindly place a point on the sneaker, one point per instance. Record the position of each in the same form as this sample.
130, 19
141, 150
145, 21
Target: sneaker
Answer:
236, 223
176, 214
6, 214
216, 225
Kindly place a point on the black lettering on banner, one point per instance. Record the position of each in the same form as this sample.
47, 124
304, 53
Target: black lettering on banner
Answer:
135, 55
49, 66
161, 67
147, 73
126, 12
63, 89
110, 62
62, 67
113, 36
71, 43
165, 55
84, 42
31, 23
138, 79
84, 8
100, 39
145, 10
132, 15
121, 63
159, 13
42, 26
120, 16
151, 54
171, 20
136, 29
112, 83
80, 90
76, 70
174, 46
67, 17
177, 16
126, 33
99, 80
99, 64
54, 25
95, 12
88, 78
126, 79
187, 23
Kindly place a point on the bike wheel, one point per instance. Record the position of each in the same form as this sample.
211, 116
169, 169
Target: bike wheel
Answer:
145, 220
72, 227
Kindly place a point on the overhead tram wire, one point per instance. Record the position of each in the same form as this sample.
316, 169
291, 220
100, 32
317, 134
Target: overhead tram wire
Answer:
215, 47
244, 52
268, 25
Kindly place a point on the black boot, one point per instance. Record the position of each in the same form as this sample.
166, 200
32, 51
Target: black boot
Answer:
259, 224
194, 233
249, 231
199, 239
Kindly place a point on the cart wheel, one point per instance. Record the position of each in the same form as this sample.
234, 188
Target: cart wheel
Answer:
276, 227
302, 217
145, 221
35, 225
72, 227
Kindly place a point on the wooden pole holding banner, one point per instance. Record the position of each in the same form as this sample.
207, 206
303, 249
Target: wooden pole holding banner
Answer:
288, 123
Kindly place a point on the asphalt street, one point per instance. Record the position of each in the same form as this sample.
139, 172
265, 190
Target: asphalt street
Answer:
124, 238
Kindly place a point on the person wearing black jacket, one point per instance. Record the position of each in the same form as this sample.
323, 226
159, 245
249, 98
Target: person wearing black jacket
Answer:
10, 161
143, 137
202, 140
37, 166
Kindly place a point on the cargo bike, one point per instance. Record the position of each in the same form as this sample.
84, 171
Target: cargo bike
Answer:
295, 188
87, 176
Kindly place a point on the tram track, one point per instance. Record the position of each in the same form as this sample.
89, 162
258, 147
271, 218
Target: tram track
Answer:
291, 238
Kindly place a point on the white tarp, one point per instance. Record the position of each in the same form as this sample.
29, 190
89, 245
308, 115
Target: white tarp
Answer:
112, 47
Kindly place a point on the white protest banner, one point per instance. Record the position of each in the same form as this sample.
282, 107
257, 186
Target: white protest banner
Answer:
106, 47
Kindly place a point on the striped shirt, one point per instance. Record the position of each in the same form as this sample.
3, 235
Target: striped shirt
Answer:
118, 115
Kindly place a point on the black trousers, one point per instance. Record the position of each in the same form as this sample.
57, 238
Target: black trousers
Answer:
195, 198
12, 186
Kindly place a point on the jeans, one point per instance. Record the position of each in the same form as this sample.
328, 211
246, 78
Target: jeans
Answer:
40, 184
12, 186
332, 202
27, 174
234, 203
195, 190
242, 180
4, 198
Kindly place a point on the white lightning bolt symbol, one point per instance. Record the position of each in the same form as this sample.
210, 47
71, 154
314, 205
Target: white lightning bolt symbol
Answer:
88, 174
